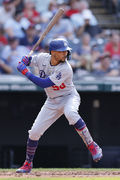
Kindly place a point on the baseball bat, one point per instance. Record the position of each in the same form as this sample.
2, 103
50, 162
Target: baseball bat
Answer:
48, 28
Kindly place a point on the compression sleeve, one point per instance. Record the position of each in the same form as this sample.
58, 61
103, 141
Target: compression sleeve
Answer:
43, 83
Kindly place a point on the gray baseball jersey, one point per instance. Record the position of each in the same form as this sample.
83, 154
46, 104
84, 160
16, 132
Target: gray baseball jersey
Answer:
62, 97
61, 75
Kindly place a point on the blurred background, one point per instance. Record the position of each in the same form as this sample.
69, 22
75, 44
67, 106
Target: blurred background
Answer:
92, 29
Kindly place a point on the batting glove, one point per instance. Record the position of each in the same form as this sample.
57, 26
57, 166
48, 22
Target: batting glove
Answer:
23, 69
26, 60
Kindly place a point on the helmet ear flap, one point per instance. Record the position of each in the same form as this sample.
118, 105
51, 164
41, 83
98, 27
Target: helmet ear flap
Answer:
69, 55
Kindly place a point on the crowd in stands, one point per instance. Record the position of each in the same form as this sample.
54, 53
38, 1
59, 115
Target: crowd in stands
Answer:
95, 51
113, 6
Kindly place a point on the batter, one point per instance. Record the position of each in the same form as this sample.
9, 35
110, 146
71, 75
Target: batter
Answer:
55, 76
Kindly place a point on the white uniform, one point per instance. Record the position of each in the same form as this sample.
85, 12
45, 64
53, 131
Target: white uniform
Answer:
62, 98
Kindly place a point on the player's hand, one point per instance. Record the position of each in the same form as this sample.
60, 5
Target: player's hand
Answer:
22, 68
26, 60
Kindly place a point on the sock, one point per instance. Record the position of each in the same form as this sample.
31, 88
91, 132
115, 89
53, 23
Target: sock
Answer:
80, 124
31, 148
83, 131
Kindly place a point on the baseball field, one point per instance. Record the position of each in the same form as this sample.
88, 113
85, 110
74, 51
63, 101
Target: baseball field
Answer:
62, 174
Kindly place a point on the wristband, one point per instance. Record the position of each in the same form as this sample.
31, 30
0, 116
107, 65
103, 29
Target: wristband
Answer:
24, 71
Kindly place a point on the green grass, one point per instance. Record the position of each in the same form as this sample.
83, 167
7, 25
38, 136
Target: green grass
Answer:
82, 178
65, 169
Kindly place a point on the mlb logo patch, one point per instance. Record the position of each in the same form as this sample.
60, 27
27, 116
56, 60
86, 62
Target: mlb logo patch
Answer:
58, 76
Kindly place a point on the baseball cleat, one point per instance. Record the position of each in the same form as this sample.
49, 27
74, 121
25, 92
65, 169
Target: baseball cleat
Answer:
96, 151
26, 168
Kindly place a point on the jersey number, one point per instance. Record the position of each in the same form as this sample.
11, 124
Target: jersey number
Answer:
56, 88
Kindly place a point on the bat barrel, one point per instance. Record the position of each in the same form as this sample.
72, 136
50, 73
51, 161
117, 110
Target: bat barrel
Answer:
53, 21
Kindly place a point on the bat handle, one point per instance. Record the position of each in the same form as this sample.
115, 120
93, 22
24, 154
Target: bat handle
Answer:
30, 54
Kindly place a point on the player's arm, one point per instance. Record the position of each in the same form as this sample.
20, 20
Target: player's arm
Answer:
43, 83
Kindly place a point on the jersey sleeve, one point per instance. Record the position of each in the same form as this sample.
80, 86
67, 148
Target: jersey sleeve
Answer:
60, 75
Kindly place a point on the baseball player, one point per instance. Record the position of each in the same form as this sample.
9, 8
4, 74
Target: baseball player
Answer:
55, 76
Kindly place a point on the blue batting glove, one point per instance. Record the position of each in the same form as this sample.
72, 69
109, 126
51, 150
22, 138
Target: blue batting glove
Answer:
26, 60
22, 68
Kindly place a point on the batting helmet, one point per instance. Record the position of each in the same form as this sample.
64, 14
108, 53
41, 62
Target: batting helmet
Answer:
59, 45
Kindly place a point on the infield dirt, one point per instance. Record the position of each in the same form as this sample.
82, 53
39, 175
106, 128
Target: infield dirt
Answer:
63, 173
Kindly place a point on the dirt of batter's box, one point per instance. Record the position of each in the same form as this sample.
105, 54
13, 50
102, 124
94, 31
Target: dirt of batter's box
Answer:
69, 173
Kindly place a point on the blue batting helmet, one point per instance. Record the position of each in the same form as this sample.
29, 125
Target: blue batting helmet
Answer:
59, 45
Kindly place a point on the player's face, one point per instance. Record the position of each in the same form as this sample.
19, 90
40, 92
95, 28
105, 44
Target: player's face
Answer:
58, 56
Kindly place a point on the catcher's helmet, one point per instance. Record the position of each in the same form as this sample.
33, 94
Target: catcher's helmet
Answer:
59, 45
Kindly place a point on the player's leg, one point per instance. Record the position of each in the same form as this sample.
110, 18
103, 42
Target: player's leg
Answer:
44, 120
71, 113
